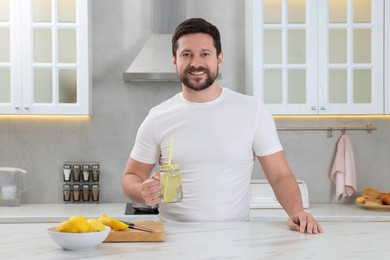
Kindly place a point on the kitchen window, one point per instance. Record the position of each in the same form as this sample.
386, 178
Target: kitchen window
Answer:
45, 59
316, 57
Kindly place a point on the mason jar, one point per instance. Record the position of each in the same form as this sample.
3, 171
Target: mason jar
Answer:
171, 183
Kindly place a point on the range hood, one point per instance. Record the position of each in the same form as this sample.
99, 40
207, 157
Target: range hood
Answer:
154, 61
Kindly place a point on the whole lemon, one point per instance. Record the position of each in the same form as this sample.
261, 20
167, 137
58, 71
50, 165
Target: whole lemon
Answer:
81, 223
67, 226
95, 225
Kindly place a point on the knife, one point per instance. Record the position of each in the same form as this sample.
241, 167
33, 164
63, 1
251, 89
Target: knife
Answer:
134, 226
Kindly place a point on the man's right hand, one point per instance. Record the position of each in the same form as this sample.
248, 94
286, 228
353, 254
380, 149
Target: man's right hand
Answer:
150, 190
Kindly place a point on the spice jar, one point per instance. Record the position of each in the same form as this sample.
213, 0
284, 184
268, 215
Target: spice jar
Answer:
86, 169
171, 183
86, 192
95, 192
66, 192
67, 172
76, 192
76, 172
95, 172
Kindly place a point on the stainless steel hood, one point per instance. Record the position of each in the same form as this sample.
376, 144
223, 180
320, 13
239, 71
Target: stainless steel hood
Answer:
154, 61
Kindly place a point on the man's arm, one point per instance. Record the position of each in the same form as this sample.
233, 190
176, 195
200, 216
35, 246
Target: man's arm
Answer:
287, 192
137, 185
283, 182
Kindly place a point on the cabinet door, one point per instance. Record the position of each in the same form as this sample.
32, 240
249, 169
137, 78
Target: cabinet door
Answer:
351, 58
281, 35
316, 57
10, 56
54, 58
57, 63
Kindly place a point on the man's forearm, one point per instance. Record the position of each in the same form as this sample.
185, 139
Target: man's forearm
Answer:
288, 194
131, 186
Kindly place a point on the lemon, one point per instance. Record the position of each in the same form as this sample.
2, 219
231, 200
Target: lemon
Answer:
169, 193
95, 225
105, 221
112, 223
67, 226
81, 223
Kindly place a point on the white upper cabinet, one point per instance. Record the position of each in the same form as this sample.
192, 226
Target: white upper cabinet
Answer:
45, 63
316, 57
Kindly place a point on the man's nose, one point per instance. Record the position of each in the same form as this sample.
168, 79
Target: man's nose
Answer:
196, 62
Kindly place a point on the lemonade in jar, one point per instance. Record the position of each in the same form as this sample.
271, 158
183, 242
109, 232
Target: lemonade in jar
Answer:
170, 183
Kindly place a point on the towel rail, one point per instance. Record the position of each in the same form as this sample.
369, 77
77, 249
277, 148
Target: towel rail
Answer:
329, 129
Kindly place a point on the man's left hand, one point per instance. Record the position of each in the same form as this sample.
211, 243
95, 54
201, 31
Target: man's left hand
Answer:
303, 221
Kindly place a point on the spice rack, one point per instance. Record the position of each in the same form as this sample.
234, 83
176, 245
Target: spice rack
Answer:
81, 182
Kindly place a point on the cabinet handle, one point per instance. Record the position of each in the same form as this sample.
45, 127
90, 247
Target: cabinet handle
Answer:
322, 107
17, 108
27, 108
313, 108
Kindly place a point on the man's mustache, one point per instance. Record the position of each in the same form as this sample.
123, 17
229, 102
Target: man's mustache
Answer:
196, 69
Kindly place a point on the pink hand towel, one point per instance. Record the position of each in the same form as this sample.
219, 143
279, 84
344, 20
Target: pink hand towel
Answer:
344, 171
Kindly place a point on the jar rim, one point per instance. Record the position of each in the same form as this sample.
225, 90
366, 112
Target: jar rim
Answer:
171, 167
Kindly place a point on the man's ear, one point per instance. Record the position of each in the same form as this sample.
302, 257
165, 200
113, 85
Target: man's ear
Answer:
220, 59
174, 60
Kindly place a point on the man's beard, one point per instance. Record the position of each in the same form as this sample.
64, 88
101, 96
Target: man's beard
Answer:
198, 86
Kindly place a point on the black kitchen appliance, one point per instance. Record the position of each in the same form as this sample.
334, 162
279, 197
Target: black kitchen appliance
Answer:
135, 209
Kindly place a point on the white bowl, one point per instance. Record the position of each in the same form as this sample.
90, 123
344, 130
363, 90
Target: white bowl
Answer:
78, 241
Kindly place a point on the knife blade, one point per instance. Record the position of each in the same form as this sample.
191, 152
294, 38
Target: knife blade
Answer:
134, 226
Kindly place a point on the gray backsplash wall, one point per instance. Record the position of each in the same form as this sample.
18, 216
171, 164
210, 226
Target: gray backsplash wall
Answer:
120, 28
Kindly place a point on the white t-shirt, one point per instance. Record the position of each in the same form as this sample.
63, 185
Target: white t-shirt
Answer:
215, 144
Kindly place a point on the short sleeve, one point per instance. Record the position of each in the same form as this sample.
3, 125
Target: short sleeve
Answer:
146, 147
266, 139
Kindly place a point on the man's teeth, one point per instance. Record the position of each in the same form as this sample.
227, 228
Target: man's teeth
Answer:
197, 72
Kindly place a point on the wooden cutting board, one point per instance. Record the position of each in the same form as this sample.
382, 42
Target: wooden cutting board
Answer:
134, 235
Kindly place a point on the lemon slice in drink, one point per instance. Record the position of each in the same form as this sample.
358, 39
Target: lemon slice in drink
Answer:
169, 185
170, 193
170, 182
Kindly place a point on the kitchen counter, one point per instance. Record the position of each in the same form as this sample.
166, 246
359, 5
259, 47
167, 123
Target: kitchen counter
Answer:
217, 240
43, 213
350, 231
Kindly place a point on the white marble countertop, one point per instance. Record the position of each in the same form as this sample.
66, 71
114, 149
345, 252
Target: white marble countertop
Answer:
57, 212
217, 240
43, 213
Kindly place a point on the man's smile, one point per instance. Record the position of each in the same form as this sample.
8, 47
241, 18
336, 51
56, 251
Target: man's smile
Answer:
197, 72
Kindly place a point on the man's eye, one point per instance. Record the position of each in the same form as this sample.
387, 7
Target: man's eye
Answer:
205, 54
186, 54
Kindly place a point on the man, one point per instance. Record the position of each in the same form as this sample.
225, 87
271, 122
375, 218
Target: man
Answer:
218, 134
